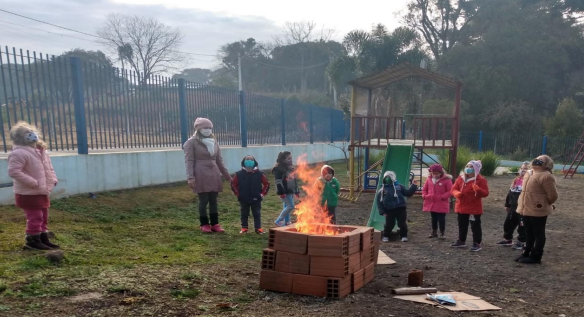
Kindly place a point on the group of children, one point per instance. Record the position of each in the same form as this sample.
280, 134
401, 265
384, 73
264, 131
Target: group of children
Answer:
529, 201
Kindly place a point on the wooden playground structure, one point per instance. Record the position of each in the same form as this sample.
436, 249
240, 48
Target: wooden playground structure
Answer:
373, 131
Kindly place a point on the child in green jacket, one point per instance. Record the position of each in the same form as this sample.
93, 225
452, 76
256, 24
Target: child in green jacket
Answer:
330, 191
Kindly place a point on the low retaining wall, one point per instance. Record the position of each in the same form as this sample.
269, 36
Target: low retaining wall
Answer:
80, 174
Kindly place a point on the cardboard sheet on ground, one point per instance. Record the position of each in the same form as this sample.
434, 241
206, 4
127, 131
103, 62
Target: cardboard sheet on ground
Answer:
383, 259
464, 302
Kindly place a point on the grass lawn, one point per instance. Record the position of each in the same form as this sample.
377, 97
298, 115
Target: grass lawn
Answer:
143, 243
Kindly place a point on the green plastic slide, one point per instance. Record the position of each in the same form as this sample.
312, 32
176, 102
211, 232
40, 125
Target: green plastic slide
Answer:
398, 158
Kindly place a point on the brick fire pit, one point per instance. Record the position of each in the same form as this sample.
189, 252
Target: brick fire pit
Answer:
320, 265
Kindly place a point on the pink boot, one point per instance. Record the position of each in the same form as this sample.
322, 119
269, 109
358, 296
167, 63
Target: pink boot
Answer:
206, 229
217, 228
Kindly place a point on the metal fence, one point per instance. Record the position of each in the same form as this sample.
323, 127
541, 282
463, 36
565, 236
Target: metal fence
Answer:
85, 106
520, 146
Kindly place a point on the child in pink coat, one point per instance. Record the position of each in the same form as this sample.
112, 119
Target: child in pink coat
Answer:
30, 167
436, 195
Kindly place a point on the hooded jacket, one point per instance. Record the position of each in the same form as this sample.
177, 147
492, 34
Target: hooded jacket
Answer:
250, 186
330, 189
436, 194
392, 196
31, 170
538, 195
286, 183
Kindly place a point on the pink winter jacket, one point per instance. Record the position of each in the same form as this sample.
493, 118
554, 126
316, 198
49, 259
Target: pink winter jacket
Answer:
31, 170
436, 196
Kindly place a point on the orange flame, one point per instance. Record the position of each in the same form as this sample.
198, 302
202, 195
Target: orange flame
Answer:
311, 217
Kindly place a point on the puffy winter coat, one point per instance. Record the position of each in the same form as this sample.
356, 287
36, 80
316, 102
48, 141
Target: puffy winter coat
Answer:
286, 183
436, 195
32, 171
386, 197
469, 201
538, 195
250, 186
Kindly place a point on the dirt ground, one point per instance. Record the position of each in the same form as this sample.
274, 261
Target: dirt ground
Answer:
231, 288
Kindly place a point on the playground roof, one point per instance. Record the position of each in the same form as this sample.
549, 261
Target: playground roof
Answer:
400, 72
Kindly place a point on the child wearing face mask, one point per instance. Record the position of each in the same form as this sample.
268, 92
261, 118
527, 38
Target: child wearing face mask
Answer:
392, 204
29, 165
513, 218
436, 195
330, 191
250, 185
469, 190
286, 186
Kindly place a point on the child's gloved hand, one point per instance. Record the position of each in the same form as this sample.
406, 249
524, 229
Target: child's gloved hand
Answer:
457, 194
475, 187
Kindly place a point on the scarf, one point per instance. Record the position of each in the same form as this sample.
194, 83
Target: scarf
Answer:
210, 143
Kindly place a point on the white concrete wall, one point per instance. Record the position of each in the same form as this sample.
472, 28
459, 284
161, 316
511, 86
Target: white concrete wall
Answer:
80, 174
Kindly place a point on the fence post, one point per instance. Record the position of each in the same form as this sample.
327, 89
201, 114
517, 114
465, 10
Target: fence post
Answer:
243, 118
544, 145
332, 125
283, 120
310, 123
481, 141
403, 129
80, 120
182, 105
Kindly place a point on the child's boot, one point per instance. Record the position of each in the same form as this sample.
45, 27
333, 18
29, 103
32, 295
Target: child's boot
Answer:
533, 258
33, 242
524, 254
434, 234
442, 236
45, 240
217, 228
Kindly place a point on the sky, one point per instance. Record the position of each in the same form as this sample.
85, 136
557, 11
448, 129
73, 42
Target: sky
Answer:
206, 24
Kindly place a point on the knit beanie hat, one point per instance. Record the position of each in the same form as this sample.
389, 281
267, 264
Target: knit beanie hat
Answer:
203, 123
436, 168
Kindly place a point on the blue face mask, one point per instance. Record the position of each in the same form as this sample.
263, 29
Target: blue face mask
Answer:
248, 164
469, 170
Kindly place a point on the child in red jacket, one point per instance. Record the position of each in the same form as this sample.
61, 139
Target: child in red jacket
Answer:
436, 195
469, 190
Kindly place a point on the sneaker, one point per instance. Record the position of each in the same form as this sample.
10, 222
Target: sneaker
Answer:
385, 239
217, 228
288, 223
404, 239
206, 229
243, 230
476, 247
518, 245
458, 244
259, 231
279, 223
442, 236
505, 243
433, 235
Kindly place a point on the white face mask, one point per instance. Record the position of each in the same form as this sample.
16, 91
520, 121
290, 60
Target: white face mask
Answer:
206, 132
32, 137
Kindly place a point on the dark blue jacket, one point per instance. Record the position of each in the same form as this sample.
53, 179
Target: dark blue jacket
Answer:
250, 186
389, 201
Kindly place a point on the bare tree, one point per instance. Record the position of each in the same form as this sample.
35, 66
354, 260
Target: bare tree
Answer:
300, 33
153, 44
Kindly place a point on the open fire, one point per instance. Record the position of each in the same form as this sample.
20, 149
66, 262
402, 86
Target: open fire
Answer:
311, 217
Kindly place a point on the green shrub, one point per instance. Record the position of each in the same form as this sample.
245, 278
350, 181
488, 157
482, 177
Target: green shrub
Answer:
375, 156
463, 156
514, 169
490, 162
519, 154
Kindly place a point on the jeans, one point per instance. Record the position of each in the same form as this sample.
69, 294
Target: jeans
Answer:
401, 215
36, 220
288, 206
512, 221
211, 200
438, 218
332, 212
256, 211
475, 226
534, 234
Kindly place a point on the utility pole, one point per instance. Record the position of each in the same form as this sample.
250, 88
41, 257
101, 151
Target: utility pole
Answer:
239, 70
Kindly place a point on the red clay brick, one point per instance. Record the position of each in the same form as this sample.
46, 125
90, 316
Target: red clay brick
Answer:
268, 259
354, 241
333, 266
292, 263
276, 281
332, 246
366, 238
367, 256
369, 273
376, 242
357, 280
290, 241
309, 285
338, 287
